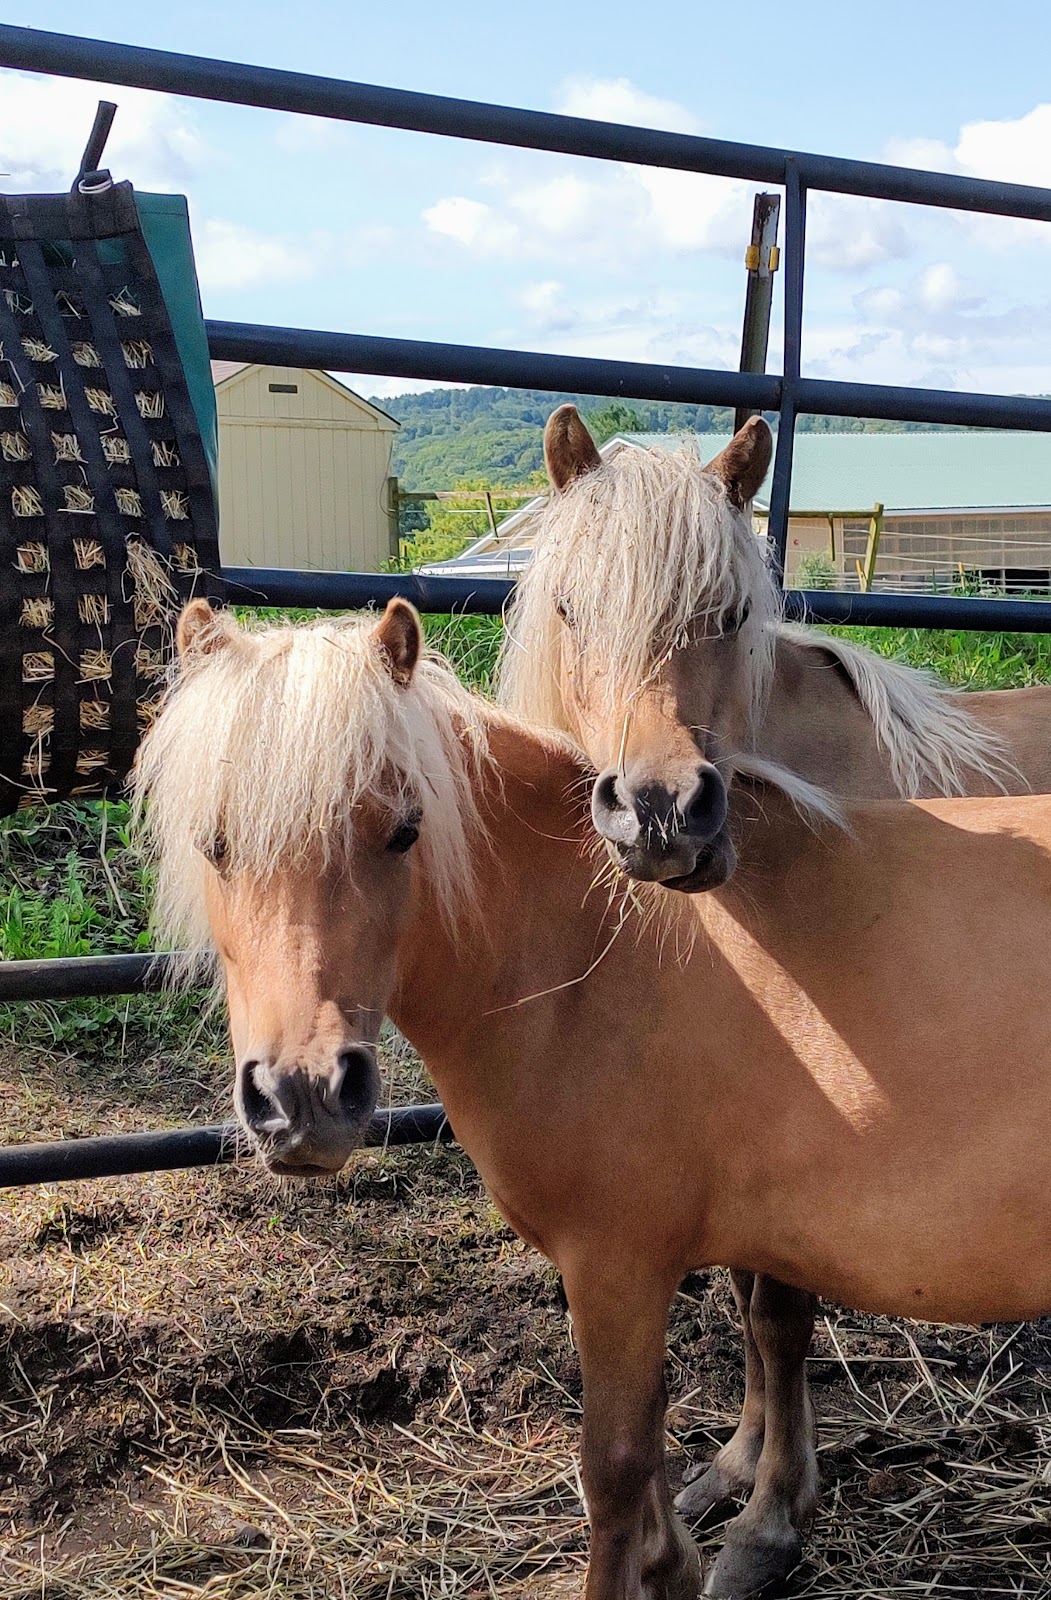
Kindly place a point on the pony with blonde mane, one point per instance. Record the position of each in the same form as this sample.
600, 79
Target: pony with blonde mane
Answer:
648, 627
353, 836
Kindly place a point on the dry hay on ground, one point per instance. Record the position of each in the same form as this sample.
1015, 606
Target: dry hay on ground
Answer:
214, 1387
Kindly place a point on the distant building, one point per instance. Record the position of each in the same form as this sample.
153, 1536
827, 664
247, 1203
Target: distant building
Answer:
976, 505
304, 471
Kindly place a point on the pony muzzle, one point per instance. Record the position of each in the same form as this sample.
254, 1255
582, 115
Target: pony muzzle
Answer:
659, 834
306, 1118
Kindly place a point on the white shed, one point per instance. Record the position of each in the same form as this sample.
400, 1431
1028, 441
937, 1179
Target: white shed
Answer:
304, 471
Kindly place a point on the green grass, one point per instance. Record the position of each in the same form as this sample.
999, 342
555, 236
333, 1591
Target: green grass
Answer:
73, 886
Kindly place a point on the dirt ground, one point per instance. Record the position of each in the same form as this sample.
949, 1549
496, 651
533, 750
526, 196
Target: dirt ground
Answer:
212, 1385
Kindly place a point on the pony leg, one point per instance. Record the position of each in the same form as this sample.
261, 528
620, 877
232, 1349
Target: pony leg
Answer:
639, 1548
765, 1542
730, 1475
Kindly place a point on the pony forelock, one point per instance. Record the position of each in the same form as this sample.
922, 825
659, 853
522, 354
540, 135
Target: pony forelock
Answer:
634, 553
274, 741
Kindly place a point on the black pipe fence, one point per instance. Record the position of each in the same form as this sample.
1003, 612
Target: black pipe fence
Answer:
789, 395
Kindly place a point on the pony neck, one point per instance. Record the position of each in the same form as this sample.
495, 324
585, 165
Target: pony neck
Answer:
533, 870
815, 725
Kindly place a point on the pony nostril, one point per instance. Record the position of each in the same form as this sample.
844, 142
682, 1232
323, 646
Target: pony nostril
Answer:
613, 819
705, 810
259, 1112
358, 1082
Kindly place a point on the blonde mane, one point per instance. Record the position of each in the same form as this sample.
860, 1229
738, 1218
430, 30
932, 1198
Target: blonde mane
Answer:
634, 551
273, 741
621, 552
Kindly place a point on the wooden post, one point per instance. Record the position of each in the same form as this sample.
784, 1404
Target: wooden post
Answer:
761, 260
394, 516
867, 571
492, 514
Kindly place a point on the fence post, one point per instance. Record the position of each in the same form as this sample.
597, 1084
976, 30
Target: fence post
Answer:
761, 259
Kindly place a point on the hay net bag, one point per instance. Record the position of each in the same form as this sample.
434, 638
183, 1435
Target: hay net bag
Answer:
107, 477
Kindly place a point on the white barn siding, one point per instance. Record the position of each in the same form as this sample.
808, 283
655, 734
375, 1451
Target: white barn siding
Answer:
303, 477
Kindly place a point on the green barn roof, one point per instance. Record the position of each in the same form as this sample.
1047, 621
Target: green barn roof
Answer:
904, 471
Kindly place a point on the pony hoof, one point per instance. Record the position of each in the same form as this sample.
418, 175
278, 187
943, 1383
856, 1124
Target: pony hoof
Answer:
750, 1565
708, 1490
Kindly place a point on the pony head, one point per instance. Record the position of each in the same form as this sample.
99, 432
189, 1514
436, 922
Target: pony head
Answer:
299, 787
645, 628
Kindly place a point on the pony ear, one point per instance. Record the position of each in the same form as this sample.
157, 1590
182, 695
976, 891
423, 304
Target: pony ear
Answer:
200, 631
743, 465
399, 636
569, 449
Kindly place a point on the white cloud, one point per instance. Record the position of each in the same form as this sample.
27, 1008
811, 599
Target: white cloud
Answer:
849, 233
45, 122
232, 256
619, 100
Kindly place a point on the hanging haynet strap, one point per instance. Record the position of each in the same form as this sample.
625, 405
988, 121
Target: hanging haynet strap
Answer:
107, 510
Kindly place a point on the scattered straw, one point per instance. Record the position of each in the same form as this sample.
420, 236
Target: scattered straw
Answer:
150, 403
14, 447
116, 449
38, 721
137, 353
26, 501
176, 504
85, 354
39, 350
33, 558
52, 396
88, 553
95, 665
165, 453
78, 498
125, 304
38, 611
93, 609
67, 447
101, 401
37, 666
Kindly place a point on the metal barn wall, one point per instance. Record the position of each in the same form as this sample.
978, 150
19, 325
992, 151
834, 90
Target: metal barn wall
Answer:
304, 477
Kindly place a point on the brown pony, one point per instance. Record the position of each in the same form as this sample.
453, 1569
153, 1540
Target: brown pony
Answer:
648, 627
352, 834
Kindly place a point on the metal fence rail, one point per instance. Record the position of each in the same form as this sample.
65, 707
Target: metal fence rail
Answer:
789, 395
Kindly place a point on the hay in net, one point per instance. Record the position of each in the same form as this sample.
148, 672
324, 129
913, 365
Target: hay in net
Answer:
38, 666
78, 499
129, 502
176, 504
38, 611
93, 609
14, 447
38, 720
26, 501
33, 558
137, 353
85, 354
52, 396
116, 449
88, 553
95, 665
8, 395
150, 403
101, 401
165, 454
67, 447
39, 350
125, 304
95, 714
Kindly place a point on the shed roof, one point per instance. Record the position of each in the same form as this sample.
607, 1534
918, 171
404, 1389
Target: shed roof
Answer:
903, 471
224, 371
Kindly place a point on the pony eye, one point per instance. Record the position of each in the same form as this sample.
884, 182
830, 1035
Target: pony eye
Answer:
565, 611
215, 852
403, 838
739, 618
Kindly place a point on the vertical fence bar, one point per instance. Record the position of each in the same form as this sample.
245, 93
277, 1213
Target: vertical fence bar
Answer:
795, 247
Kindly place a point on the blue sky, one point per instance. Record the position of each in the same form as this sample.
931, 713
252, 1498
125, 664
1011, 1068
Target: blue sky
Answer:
377, 231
